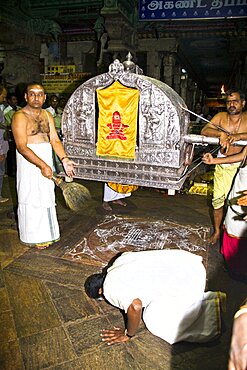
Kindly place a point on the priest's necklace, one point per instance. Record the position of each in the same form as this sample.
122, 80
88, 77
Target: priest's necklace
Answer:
238, 124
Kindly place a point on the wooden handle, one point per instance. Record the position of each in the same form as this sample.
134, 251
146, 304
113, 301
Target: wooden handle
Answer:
57, 180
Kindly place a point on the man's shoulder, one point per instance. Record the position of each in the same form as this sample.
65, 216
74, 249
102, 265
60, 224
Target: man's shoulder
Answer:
48, 115
220, 114
244, 116
220, 118
20, 112
20, 115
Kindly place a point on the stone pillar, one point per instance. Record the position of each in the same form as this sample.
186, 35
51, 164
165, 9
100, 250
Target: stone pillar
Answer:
168, 63
44, 54
2, 61
191, 89
153, 64
183, 87
63, 50
241, 78
177, 78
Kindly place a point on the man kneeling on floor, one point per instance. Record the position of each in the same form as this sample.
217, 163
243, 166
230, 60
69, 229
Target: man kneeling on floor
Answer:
166, 288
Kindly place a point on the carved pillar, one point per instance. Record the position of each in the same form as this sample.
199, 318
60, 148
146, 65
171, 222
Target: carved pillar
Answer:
119, 35
168, 63
153, 64
119, 22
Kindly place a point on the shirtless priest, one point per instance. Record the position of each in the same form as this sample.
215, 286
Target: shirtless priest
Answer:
35, 136
229, 127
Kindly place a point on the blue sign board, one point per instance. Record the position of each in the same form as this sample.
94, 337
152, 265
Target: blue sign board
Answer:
191, 9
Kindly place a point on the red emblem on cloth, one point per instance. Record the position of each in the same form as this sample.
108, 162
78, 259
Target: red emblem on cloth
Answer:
116, 127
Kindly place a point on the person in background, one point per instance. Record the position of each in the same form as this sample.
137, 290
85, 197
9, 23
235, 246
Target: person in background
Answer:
57, 113
198, 111
9, 111
238, 348
4, 146
197, 119
229, 126
11, 108
35, 137
4, 104
206, 112
114, 193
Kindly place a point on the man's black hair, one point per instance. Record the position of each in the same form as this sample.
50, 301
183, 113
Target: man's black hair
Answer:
10, 95
234, 90
33, 84
93, 284
53, 96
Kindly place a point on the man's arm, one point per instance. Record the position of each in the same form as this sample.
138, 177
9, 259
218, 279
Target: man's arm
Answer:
118, 335
209, 159
243, 200
19, 130
59, 149
210, 130
243, 127
238, 350
54, 139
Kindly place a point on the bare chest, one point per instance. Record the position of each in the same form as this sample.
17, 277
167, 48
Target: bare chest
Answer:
235, 124
38, 125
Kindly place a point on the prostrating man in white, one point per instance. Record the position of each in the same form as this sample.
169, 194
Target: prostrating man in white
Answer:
167, 288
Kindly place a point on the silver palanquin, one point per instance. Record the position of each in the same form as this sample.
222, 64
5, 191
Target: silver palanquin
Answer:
161, 153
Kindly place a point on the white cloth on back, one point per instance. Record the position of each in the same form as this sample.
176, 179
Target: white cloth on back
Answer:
170, 284
235, 225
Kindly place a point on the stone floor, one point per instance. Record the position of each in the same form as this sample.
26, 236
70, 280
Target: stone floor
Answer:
47, 321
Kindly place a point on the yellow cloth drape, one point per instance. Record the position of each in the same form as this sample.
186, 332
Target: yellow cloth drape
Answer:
117, 124
123, 189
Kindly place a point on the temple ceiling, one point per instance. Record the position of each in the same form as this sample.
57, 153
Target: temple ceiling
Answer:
212, 51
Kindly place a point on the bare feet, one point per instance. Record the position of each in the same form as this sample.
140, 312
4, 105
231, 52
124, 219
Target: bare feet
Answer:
119, 202
214, 238
106, 206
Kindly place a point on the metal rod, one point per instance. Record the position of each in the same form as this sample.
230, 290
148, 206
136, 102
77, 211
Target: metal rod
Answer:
201, 139
189, 170
206, 120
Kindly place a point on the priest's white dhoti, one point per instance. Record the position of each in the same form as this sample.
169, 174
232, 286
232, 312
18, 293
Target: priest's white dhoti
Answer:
37, 219
234, 225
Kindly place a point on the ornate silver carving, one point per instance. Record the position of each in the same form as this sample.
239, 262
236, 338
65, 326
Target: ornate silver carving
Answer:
116, 69
162, 124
